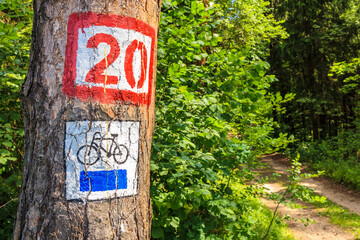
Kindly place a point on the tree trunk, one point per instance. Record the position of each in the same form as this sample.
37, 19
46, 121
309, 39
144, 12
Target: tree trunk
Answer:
89, 100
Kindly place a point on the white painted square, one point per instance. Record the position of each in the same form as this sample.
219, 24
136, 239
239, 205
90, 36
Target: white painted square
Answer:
93, 147
88, 57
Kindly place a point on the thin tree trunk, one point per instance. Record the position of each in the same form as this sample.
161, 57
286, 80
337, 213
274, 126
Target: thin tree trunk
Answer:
87, 147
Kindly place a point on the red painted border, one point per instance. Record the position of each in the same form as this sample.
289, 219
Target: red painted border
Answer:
84, 20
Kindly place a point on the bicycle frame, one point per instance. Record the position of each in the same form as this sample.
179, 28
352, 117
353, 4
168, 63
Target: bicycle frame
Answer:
100, 141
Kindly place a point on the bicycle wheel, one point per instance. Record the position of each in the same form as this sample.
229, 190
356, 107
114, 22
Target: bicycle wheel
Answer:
88, 154
120, 154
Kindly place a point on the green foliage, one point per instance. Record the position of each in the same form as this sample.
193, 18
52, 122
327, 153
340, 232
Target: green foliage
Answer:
337, 215
249, 24
338, 157
15, 30
349, 73
213, 115
320, 34
319, 63
294, 191
341, 217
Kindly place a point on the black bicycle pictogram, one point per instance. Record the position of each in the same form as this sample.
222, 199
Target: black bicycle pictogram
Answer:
89, 154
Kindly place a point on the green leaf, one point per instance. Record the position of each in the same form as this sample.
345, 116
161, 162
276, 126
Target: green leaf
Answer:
193, 7
7, 144
175, 222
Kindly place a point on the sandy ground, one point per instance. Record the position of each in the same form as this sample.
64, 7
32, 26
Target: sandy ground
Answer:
322, 229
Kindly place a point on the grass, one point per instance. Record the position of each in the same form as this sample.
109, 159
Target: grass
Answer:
343, 171
337, 215
261, 217
338, 157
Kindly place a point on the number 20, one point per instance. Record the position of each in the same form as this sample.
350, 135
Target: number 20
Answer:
95, 74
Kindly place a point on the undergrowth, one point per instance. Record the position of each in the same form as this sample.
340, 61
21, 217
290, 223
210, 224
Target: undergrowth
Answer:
340, 216
212, 116
260, 217
338, 157
336, 214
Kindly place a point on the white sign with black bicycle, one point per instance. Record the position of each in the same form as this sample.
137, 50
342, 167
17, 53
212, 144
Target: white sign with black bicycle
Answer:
101, 159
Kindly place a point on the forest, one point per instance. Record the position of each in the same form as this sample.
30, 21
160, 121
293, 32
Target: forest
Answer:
236, 79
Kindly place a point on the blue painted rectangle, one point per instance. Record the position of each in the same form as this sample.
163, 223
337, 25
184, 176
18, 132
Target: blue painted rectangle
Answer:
97, 181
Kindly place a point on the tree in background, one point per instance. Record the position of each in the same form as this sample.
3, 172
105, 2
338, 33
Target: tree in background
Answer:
320, 34
319, 64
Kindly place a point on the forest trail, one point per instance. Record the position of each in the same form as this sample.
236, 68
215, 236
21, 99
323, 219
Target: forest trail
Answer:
335, 192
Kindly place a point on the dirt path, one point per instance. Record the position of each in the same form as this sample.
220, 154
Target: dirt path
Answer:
336, 193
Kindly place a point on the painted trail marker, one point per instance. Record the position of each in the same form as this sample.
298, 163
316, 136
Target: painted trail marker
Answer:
101, 159
109, 58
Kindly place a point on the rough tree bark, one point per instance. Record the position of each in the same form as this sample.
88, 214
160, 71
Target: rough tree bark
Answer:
55, 203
